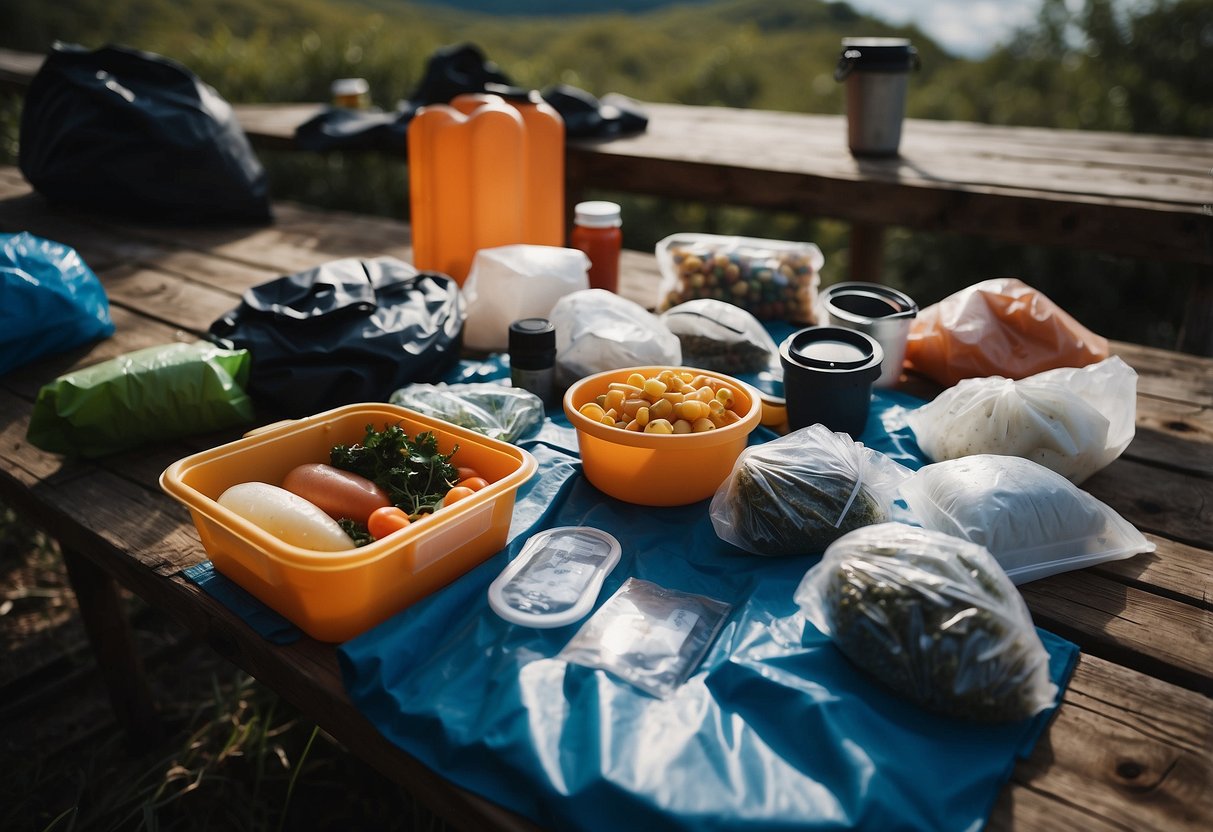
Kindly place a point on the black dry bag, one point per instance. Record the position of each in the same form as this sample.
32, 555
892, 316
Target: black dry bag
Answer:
348, 331
136, 134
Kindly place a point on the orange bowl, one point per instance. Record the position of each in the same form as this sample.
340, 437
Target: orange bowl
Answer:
659, 469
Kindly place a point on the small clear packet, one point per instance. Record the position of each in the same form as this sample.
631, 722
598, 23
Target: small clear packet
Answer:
556, 578
649, 636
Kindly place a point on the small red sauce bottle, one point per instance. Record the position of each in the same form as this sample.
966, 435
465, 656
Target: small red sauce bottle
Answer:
596, 231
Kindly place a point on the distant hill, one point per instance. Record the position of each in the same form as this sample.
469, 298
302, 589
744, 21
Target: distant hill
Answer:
556, 7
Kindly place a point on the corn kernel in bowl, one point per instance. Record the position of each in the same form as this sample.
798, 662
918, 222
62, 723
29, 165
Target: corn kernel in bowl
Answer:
673, 401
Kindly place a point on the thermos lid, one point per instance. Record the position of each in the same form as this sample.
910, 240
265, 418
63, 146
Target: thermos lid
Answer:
875, 55
597, 214
832, 349
350, 86
532, 335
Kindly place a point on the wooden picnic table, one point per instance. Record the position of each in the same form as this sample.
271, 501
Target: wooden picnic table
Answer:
1139, 196
1131, 745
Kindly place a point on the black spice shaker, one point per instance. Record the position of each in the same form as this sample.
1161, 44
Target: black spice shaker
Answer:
533, 357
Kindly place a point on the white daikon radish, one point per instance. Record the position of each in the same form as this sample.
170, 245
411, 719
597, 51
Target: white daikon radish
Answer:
286, 516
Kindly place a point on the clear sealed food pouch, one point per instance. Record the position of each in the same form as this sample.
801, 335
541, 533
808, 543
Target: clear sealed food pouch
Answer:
934, 618
649, 636
1033, 520
720, 336
771, 279
799, 493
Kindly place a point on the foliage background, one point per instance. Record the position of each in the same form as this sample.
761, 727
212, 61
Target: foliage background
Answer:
1109, 66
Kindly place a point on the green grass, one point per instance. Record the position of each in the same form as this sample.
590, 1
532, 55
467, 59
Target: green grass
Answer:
236, 755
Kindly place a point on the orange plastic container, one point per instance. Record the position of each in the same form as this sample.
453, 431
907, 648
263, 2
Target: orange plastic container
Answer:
484, 172
333, 596
658, 469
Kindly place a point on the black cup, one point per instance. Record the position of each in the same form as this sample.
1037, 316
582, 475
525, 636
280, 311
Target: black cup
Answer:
827, 377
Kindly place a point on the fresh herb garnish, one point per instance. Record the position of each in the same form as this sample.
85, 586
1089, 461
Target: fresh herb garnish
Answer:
412, 471
357, 531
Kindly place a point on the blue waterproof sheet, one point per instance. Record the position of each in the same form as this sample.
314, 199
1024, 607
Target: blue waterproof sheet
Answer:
774, 730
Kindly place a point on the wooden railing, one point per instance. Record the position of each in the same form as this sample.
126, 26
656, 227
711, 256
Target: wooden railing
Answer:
1137, 196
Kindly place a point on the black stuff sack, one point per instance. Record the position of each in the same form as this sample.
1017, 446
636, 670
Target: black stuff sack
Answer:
136, 134
348, 331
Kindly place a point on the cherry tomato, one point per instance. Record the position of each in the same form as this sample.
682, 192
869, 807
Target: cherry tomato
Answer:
384, 521
467, 473
474, 483
338, 493
456, 494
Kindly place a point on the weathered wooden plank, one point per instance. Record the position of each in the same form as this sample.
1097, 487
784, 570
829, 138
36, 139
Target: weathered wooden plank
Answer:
1158, 500
1169, 375
167, 297
1184, 573
1173, 434
1125, 752
1164, 638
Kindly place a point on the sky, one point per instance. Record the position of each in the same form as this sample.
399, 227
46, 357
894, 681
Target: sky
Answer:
970, 28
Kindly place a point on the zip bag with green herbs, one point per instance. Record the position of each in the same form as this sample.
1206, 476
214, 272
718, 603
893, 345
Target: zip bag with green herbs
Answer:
797, 494
934, 618
499, 412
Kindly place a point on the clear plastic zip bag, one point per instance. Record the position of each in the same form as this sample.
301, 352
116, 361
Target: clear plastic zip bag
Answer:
934, 618
649, 636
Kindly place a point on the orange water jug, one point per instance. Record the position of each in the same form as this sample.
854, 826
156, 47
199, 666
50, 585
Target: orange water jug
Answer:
484, 172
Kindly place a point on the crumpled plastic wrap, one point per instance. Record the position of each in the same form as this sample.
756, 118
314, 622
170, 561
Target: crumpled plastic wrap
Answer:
50, 300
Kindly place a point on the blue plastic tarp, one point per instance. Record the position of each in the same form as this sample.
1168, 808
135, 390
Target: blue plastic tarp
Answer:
774, 730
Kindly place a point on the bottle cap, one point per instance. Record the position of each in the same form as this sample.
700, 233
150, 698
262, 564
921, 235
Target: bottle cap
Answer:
597, 214
532, 344
350, 86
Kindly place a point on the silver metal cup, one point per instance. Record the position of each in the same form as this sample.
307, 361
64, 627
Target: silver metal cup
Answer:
879, 311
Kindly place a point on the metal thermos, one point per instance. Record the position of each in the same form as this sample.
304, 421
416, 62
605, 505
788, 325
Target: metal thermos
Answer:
875, 71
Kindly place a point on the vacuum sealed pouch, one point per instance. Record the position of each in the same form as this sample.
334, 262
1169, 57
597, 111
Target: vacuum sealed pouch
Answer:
772, 279
1074, 421
649, 636
800, 492
999, 327
934, 618
1033, 520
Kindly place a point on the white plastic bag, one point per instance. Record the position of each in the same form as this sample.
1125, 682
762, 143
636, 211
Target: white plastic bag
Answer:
1034, 521
722, 337
507, 283
934, 618
799, 493
597, 330
1072, 421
